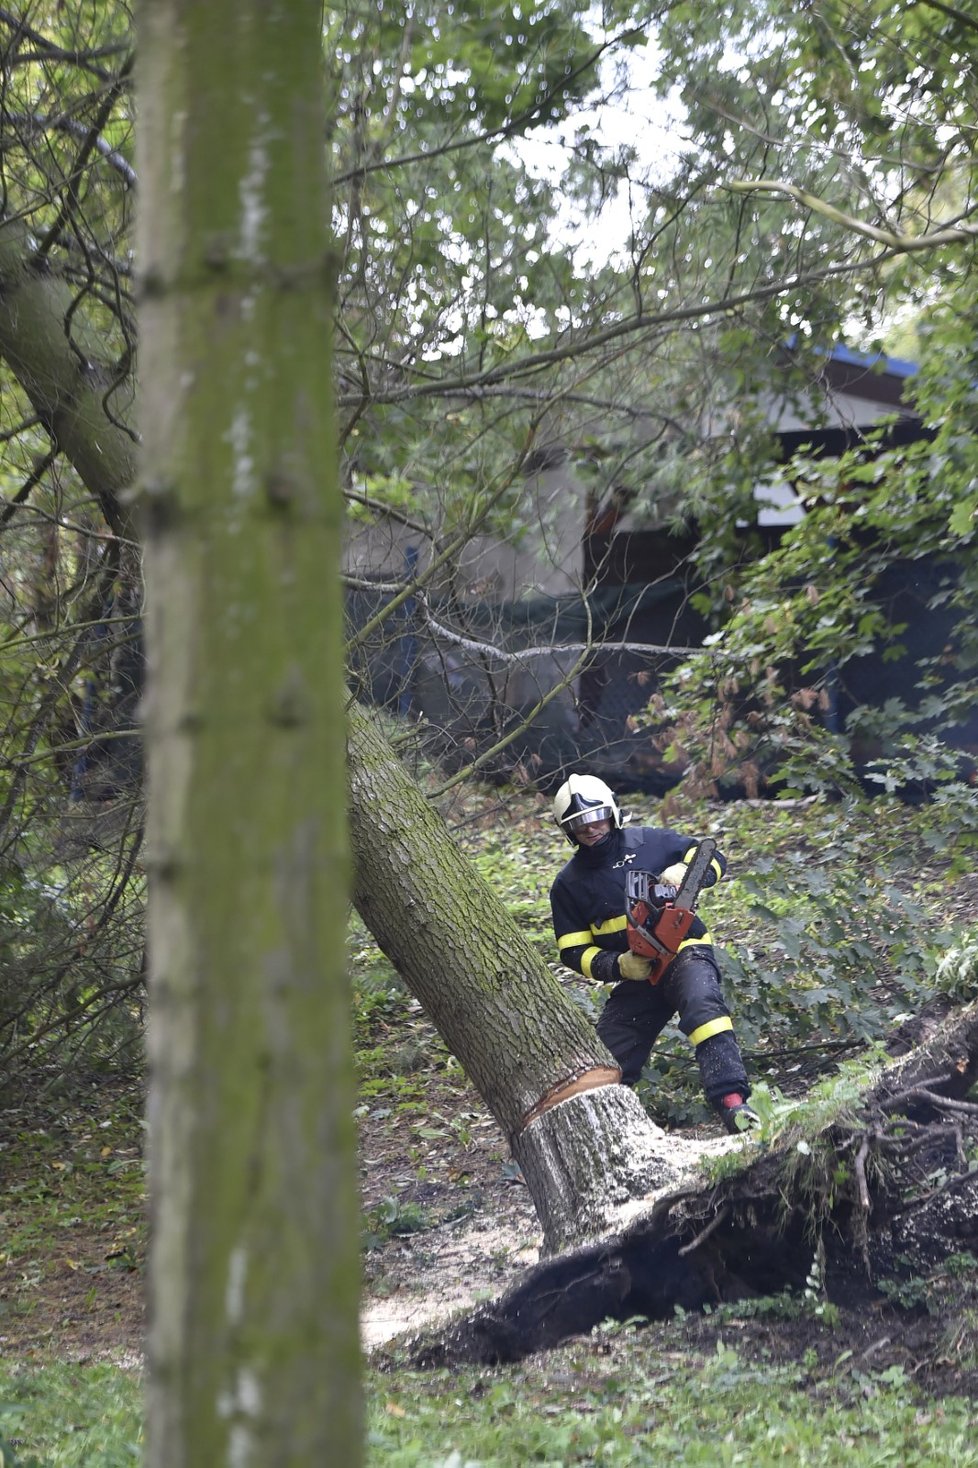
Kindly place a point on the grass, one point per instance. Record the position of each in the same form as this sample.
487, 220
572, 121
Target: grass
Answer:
626, 1402
634, 1407
653, 1396
63, 1416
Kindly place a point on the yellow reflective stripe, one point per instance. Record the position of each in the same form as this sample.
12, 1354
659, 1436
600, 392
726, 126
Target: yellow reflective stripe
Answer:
714, 864
587, 957
712, 1027
613, 925
573, 940
692, 942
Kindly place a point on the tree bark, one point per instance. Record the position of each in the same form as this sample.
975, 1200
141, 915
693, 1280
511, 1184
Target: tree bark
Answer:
584, 1142
68, 389
253, 1344
528, 1050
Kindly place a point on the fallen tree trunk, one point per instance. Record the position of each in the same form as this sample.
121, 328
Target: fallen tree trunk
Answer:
883, 1193
527, 1048
584, 1143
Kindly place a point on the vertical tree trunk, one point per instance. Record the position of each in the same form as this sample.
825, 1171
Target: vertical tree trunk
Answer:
584, 1142
253, 1347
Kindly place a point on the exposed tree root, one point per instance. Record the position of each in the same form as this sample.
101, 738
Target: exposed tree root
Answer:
884, 1194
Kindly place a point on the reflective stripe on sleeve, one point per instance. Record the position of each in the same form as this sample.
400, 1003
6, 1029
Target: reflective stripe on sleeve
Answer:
573, 940
587, 957
706, 940
712, 1027
613, 925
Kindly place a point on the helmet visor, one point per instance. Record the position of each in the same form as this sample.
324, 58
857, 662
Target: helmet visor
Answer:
581, 818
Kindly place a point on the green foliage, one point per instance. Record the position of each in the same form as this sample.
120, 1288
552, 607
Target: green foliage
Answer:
794, 624
957, 972
835, 921
520, 865
949, 1291
71, 988
627, 1394
638, 1405
69, 1416
631, 1402
392, 1219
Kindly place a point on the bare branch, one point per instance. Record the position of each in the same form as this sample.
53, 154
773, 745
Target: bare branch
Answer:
524, 654
510, 129
448, 554
527, 719
634, 325
11, 434
70, 199
48, 51
38, 472
898, 244
79, 130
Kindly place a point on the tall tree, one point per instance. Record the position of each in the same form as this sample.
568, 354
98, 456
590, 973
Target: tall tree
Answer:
253, 1345
859, 120
450, 937
460, 332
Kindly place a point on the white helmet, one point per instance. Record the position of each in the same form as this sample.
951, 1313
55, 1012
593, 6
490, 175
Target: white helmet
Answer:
582, 800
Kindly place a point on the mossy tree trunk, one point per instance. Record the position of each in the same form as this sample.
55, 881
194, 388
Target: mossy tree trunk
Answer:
66, 383
584, 1142
253, 1345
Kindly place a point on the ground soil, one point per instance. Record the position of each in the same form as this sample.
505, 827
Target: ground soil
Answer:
73, 1228
449, 1223
429, 1277
463, 1230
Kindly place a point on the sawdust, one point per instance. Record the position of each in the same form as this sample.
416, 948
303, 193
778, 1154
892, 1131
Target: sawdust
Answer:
425, 1278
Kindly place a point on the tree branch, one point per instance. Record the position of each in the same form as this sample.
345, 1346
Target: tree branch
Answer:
38, 472
523, 654
476, 384
898, 244
79, 130
967, 21
509, 129
50, 52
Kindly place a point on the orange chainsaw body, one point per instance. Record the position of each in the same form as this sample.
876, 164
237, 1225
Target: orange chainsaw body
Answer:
660, 917
659, 943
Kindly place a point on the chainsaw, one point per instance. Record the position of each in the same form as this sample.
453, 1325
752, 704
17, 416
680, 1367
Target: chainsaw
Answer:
660, 916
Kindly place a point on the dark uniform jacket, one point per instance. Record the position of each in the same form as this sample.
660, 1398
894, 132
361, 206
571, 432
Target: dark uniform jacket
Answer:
588, 897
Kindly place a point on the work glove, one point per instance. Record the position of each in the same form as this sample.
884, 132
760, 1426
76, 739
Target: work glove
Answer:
633, 966
673, 876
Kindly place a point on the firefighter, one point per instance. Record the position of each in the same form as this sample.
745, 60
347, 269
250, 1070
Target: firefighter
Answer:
588, 905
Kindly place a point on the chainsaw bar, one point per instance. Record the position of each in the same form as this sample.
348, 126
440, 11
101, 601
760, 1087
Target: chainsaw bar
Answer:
692, 883
641, 887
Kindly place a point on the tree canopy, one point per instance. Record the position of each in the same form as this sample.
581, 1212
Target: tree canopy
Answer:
492, 316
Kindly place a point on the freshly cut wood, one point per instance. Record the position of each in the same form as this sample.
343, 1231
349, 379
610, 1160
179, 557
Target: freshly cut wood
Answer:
883, 1194
587, 1159
498, 1008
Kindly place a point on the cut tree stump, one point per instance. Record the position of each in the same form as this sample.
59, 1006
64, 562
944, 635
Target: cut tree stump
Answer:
568, 1152
884, 1193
